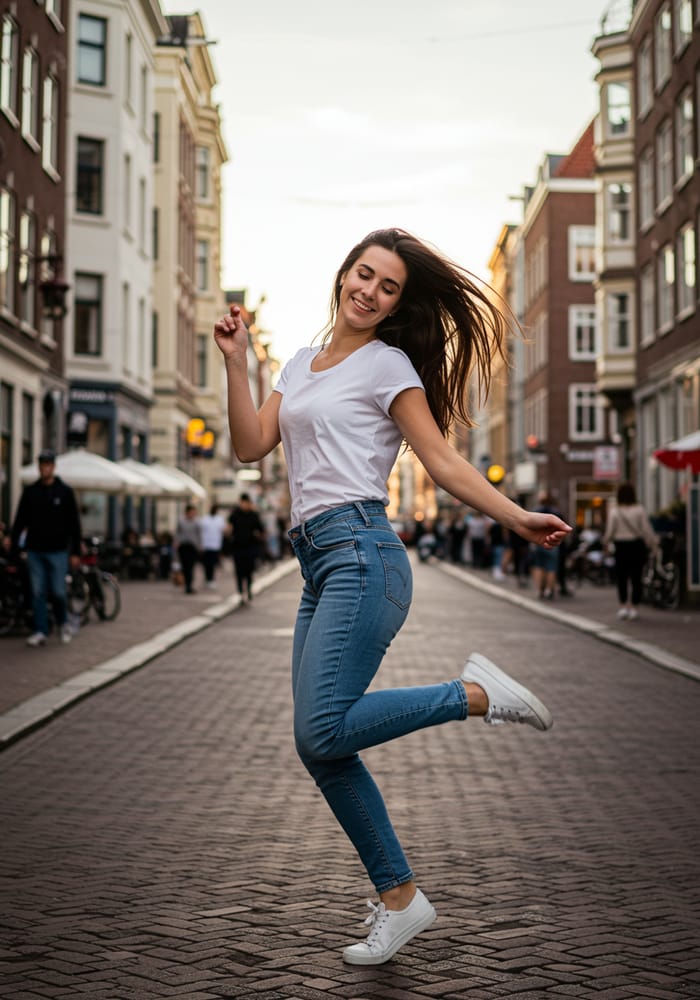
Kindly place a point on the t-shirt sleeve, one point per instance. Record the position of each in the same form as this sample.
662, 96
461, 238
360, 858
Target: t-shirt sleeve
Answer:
282, 381
392, 372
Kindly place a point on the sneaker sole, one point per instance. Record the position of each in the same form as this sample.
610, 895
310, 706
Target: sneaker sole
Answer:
353, 958
479, 668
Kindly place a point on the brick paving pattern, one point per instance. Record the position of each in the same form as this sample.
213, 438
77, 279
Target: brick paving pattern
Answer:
160, 839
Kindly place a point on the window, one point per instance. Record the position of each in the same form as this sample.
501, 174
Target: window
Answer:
142, 215
8, 67
128, 70
202, 172
26, 269
619, 211
646, 187
87, 310
581, 253
619, 322
684, 135
201, 360
662, 45
664, 279
645, 77
155, 244
27, 428
582, 333
202, 265
647, 319
127, 192
7, 250
89, 184
664, 164
682, 23
154, 340
49, 127
92, 50
6, 457
618, 108
156, 136
585, 413
53, 9
30, 95
144, 97
47, 272
685, 254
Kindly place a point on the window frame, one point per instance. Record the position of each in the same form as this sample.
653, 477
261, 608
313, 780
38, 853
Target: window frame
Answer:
686, 266
26, 269
665, 283
663, 46
622, 211
50, 126
92, 309
614, 319
583, 323
647, 304
89, 47
9, 67
621, 129
29, 110
645, 76
575, 244
663, 175
684, 136
8, 237
93, 173
584, 397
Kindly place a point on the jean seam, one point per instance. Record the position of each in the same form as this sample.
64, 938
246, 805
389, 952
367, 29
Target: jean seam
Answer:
375, 836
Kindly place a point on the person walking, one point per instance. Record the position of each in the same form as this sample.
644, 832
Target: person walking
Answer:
630, 530
188, 544
212, 527
49, 518
545, 560
407, 326
247, 534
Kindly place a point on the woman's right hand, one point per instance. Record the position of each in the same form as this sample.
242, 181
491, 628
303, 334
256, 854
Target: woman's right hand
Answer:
231, 335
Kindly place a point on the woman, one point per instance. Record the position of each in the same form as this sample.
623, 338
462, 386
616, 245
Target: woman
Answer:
630, 530
406, 328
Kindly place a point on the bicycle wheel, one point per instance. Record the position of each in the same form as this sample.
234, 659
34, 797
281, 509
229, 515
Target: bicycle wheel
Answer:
670, 588
107, 597
78, 597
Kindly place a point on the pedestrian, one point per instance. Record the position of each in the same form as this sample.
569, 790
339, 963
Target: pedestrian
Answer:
247, 535
407, 327
212, 527
545, 560
188, 544
630, 530
49, 519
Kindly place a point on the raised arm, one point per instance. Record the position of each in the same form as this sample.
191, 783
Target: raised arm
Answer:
254, 433
448, 469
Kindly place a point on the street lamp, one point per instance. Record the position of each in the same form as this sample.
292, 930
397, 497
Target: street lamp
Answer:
53, 289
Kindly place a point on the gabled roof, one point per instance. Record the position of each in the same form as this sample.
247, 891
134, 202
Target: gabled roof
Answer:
580, 162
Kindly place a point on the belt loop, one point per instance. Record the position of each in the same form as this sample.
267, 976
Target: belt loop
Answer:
362, 511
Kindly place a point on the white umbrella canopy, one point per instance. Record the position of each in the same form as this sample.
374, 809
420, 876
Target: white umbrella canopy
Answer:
87, 472
192, 487
163, 485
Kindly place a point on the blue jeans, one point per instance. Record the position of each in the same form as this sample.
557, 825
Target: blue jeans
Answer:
47, 575
357, 592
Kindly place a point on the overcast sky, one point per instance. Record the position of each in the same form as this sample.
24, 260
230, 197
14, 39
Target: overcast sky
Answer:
343, 118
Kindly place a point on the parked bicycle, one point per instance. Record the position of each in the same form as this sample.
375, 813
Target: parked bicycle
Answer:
93, 588
16, 614
661, 582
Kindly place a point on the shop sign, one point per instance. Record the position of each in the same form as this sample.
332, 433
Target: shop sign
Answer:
606, 462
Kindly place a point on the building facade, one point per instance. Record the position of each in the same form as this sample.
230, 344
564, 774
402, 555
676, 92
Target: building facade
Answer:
33, 96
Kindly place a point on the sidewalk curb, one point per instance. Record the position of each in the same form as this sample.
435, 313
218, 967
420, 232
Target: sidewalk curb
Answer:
37, 711
654, 654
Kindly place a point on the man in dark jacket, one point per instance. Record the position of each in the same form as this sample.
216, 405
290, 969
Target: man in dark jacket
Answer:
247, 534
48, 513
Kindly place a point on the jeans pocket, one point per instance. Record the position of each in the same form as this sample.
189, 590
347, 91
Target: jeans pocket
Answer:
398, 580
327, 538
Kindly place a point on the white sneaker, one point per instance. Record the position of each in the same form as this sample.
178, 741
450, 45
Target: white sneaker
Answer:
391, 929
632, 614
66, 633
37, 639
623, 613
508, 700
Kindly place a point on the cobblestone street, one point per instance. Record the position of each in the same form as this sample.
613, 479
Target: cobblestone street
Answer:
160, 839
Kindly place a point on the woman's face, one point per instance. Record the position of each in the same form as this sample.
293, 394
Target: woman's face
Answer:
371, 288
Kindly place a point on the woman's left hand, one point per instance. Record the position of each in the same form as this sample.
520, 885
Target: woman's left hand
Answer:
542, 529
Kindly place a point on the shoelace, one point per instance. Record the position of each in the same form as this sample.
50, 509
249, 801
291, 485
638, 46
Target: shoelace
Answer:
495, 715
375, 920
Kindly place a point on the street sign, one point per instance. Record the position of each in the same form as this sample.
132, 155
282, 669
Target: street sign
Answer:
606, 462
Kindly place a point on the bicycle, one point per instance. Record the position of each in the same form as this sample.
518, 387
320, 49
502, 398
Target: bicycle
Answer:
661, 582
92, 587
16, 614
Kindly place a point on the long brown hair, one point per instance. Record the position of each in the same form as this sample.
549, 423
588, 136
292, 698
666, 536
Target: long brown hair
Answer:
444, 323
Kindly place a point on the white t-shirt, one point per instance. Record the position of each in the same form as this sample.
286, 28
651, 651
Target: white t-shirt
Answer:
212, 528
339, 440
